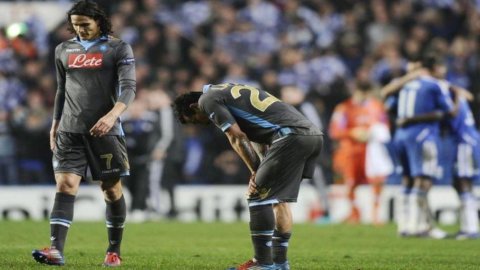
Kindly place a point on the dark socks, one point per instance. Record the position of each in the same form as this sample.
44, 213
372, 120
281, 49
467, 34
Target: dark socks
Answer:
115, 215
60, 219
262, 223
280, 246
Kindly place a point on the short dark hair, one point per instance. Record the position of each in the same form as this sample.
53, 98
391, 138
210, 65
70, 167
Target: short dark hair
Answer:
430, 60
92, 10
181, 105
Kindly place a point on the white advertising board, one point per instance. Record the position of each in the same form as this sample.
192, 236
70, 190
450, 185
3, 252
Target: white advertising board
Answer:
222, 203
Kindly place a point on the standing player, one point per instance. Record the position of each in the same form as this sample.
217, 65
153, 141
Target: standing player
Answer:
417, 143
467, 166
350, 127
96, 83
288, 144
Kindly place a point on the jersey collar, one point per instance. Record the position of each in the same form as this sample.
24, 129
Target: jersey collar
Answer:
205, 88
101, 38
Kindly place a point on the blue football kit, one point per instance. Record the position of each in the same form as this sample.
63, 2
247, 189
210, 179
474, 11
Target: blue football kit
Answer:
417, 144
467, 142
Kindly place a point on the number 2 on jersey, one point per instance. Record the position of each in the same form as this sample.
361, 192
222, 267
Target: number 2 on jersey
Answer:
258, 104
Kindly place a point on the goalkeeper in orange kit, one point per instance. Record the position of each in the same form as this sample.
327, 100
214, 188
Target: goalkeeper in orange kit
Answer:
351, 125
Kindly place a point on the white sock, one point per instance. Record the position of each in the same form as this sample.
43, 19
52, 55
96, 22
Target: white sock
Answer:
403, 212
463, 212
413, 211
469, 202
425, 221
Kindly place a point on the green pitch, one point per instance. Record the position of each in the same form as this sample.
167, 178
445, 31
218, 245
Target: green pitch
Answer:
171, 245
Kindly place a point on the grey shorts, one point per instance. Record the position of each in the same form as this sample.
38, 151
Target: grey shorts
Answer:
286, 163
106, 156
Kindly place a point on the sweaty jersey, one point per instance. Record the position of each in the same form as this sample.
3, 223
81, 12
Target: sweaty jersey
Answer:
260, 115
422, 96
91, 78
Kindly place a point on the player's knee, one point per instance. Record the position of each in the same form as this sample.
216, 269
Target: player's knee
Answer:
112, 191
465, 185
67, 183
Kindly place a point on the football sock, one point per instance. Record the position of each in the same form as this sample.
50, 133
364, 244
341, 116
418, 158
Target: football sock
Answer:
262, 223
469, 203
280, 246
463, 212
115, 214
414, 211
426, 220
61, 219
403, 211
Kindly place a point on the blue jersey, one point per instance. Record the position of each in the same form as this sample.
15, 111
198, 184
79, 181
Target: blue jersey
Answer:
465, 154
422, 96
463, 124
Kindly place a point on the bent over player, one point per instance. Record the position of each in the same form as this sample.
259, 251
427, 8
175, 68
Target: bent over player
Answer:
287, 145
96, 83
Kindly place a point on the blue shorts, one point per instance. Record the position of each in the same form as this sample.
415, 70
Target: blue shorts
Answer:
418, 154
467, 160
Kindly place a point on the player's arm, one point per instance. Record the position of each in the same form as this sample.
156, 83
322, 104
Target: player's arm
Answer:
59, 96
396, 85
127, 83
421, 118
462, 92
241, 144
260, 149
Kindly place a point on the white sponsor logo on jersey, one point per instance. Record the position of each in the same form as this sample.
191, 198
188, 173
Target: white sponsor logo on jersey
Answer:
85, 60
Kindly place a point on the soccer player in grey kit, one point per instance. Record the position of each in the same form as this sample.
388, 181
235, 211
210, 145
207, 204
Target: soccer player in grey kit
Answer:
96, 83
279, 146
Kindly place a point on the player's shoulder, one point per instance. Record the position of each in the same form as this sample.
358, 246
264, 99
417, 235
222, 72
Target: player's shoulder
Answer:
376, 102
343, 106
428, 80
65, 46
116, 42
66, 43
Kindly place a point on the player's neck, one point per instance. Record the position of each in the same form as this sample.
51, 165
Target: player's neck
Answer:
95, 38
359, 96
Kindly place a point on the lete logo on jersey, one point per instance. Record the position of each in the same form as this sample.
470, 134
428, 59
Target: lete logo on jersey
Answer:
85, 60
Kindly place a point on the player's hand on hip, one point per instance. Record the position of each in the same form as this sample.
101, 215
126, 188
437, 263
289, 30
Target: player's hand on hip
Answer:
252, 186
103, 125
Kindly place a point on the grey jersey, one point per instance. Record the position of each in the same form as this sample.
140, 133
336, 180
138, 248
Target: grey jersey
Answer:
260, 115
91, 78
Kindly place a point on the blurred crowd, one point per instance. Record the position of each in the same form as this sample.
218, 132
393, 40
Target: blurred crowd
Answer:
323, 49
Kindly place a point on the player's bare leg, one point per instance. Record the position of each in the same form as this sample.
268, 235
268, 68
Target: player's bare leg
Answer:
115, 218
377, 186
60, 219
354, 217
282, 234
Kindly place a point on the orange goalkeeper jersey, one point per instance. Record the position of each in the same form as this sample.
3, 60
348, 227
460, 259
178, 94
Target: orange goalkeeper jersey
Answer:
349, 157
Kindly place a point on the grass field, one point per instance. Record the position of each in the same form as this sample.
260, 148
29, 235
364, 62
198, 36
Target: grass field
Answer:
172, 245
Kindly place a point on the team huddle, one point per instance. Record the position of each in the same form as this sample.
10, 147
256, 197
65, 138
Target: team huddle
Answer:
423, 102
